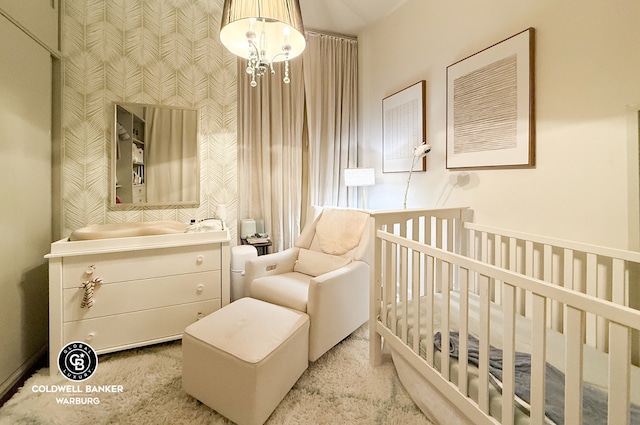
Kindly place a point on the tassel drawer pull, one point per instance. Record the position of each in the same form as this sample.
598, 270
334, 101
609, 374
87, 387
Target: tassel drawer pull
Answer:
89, 287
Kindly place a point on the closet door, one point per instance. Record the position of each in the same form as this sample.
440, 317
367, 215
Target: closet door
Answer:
25, 208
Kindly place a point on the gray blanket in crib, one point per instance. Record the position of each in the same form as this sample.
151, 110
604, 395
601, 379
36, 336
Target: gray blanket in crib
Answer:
594, 400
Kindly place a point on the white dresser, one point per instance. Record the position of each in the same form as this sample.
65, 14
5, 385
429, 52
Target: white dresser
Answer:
147, 288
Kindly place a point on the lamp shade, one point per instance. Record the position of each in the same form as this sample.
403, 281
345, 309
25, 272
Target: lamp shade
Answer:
275, 25
359, 177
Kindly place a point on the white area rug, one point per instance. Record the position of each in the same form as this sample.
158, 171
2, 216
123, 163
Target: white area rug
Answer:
339, 388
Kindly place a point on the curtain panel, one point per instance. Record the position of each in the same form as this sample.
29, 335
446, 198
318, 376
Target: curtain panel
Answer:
270, 136
276, 120
331, 94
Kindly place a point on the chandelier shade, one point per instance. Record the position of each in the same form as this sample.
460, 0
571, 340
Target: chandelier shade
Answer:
263, 32
278, 23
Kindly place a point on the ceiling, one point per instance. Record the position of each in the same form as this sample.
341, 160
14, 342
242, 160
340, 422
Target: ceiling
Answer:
344, 16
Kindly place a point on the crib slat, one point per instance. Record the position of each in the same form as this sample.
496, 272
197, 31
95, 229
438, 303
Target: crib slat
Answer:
445, 276
483, 351
513, 265
573, 367
568, 269
450, 236
619, 372
429, 296
404, 281
393, 287
618, 284
415, 297
547, 273
497, 260
384, 279
592, 289
538, 358
463, 367
427, 231
528, 270
508, 353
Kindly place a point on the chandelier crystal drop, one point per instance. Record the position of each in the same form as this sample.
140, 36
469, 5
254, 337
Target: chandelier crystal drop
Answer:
263, 32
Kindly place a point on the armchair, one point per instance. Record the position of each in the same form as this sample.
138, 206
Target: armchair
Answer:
325, 274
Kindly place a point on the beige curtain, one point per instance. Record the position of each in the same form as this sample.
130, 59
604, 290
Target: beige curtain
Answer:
270, 142
171, 155
295, 139
331, 87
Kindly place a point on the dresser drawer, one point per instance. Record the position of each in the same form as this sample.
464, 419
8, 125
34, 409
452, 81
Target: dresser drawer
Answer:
142, 264
124, 297
139, 194
128, 330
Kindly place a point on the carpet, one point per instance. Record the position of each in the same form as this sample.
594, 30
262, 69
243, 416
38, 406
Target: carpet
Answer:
143, 386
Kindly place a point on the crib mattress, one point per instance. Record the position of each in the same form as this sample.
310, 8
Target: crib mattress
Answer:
595, 362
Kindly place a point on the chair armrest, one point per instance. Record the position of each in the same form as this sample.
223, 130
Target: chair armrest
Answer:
270, 264
338, 304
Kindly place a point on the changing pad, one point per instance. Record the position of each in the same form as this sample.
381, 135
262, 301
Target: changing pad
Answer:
124, 230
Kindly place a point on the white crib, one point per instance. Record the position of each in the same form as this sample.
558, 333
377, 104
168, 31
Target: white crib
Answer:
564, 304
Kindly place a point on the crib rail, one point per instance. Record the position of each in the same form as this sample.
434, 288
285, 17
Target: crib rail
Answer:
622, 321
418, 258
601, 272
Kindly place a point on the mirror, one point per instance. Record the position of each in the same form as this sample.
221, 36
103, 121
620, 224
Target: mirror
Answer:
155, 155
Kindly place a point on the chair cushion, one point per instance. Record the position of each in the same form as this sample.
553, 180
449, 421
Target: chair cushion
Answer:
286, 289
315, 263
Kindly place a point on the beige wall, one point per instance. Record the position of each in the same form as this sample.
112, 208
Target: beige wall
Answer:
153, 52
587, 61
38, 17
25, 209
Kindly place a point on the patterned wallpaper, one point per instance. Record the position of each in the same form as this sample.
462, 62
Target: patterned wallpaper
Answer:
164, 52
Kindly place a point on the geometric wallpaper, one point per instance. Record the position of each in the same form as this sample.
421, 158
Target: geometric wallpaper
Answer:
161, 52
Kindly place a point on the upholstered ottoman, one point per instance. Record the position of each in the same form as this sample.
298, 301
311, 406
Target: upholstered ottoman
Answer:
243, 359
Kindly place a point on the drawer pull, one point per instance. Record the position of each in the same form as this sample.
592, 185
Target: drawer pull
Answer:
89, 270
90, 336
200, 288
89, 287
200, 259
199, 316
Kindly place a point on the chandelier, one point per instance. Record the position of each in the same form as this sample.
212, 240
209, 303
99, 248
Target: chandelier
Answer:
263, 32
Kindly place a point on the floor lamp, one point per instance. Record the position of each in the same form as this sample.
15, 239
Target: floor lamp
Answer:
360, 177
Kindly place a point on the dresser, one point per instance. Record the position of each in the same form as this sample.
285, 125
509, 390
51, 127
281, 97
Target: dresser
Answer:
145, 289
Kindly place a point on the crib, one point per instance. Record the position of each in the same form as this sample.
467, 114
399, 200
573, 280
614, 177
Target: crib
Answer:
545, 325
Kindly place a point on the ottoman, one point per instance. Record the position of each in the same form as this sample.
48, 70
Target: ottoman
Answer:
243, 359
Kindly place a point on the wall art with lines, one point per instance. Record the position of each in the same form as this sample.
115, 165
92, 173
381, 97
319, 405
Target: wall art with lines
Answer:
490, 106
403, 128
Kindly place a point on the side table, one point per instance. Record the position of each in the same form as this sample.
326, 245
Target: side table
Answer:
261, 244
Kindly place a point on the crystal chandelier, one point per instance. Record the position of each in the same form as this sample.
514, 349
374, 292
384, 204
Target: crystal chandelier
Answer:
263, 32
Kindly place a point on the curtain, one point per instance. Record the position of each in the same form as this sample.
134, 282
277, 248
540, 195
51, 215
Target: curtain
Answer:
331, 86
171, 155
270, 143
294, 140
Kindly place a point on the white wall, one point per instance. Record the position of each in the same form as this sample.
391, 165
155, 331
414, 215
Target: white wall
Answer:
587, 62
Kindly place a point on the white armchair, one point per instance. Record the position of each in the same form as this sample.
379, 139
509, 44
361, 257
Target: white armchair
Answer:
326, 275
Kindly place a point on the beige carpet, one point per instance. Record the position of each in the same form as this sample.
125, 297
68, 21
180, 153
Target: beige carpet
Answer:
340, 388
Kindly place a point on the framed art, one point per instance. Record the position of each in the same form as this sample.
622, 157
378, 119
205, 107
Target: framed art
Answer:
490, 106
403, 128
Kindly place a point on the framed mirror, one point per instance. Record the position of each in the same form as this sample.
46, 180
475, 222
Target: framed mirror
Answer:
156, 159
